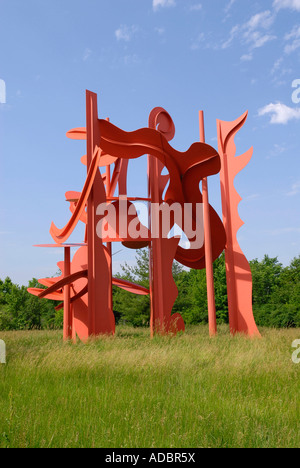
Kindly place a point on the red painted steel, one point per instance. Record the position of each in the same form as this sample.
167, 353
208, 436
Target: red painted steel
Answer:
238, 272
85, 285
68, 318
163, 290
211, 304
101, 318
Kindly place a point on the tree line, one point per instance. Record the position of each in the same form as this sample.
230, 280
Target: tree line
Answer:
20, 310
276, 297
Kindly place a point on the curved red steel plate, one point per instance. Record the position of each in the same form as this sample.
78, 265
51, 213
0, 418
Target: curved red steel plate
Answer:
61, 235
63, 282
130, 287
77, 133
54, 296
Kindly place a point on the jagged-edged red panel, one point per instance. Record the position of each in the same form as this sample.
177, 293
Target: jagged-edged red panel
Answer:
238, 272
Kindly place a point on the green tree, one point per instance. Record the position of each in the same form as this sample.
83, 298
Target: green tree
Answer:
276, 296
135, 309
265, 276
20, 310
221, 289
196, 292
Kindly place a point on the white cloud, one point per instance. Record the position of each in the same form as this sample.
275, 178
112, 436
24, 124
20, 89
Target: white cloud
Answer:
131, 59
294, 35
162, 4
247, 57
2, 92
277, 150
292, 47
87, 53
265, 19
277, 66
256, 40
291, 4
254, 32
196, 7
229, 6
160, 31
254, 196
295, 189
233, 33
198, 42
125, 33
280, 113
280, 73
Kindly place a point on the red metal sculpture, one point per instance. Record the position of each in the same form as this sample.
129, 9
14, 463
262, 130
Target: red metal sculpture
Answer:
85, 285
238, 273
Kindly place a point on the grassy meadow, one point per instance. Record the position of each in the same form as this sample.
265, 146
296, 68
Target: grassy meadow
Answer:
129, 391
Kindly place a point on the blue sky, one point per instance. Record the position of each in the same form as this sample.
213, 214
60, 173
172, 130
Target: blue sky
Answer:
223, 57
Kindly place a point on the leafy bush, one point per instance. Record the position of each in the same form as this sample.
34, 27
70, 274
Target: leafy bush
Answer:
276, 297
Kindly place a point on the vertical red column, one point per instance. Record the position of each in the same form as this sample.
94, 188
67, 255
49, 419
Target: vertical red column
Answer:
91, 114
208, 246
155, 256
100, 315
163, 290
67, 305
109, 244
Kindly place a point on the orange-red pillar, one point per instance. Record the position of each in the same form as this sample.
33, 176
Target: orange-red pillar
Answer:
109, 244
156, 279
208, 246
100, 315
67, 331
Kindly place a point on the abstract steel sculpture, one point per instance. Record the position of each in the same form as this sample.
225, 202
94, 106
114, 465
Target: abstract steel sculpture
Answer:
84, 288
238, 273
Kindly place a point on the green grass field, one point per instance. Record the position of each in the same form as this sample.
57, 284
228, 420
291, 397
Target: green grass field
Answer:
129, 391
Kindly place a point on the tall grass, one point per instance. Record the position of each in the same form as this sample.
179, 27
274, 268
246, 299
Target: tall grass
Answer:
130, 391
